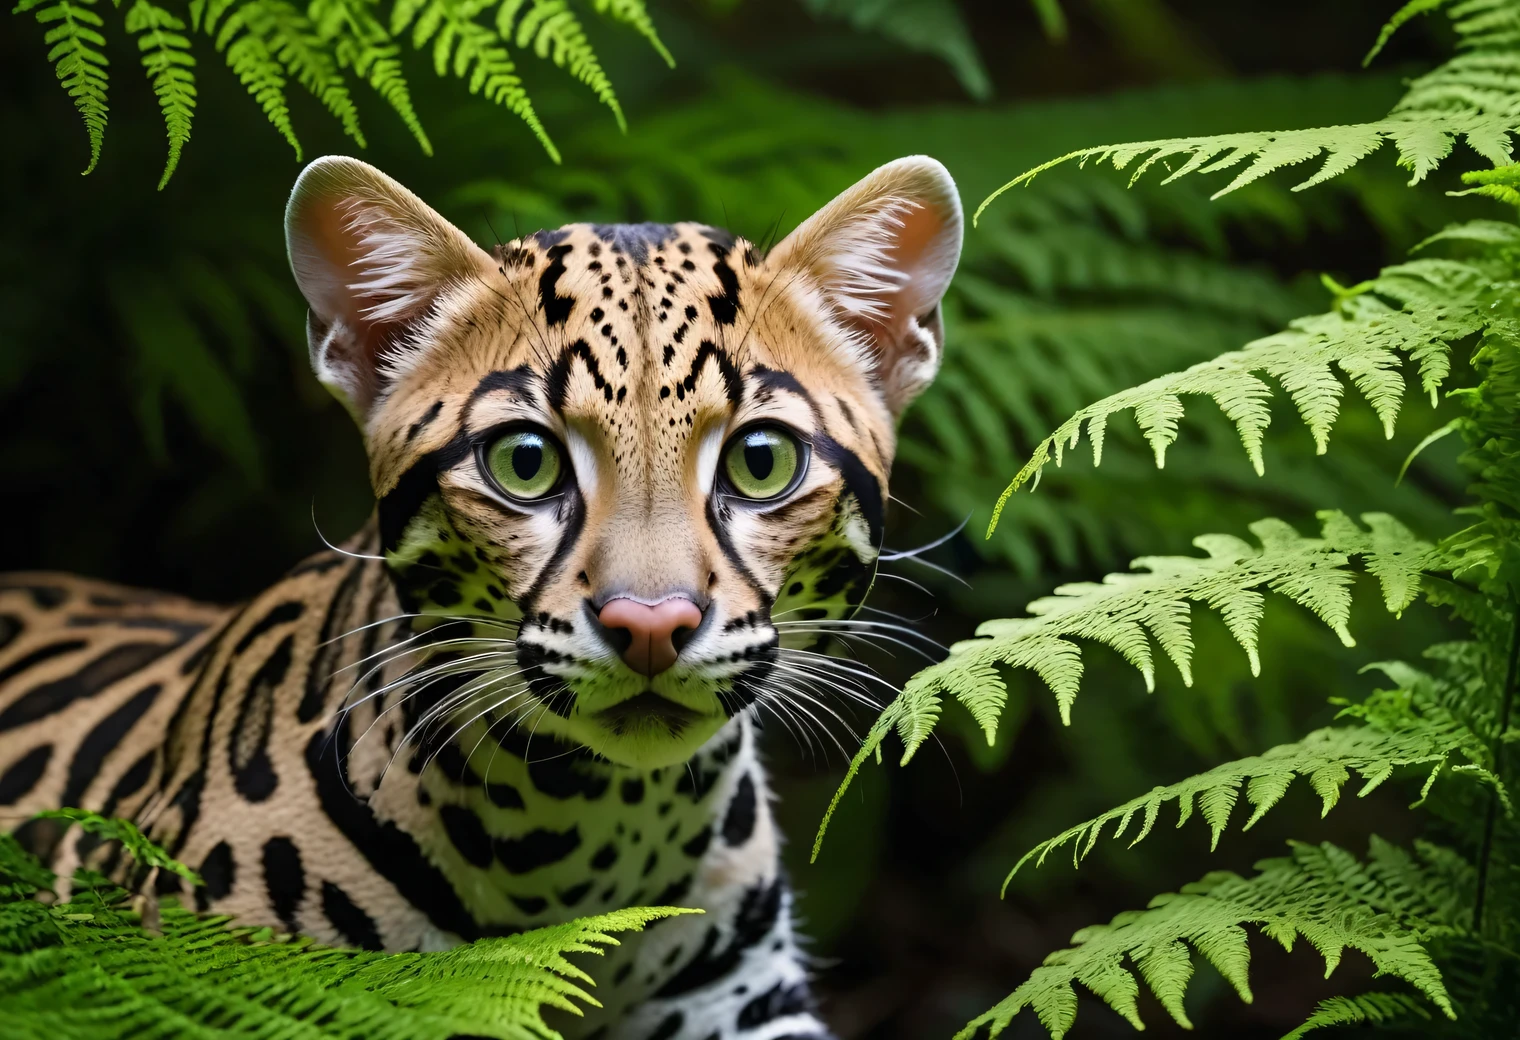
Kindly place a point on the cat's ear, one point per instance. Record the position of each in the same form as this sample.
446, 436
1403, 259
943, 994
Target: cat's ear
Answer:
371, 259
883, 253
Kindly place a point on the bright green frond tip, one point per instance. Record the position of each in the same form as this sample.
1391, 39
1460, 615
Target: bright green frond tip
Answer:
134, 842
74, 47
1153, 604
1475, 96
553, 31
1414, 310
166, 57
1320, 892
635, 14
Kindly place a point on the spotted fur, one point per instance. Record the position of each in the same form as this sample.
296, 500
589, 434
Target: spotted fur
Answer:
427, 736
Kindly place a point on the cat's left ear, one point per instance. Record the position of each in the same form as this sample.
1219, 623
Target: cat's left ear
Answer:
883, 253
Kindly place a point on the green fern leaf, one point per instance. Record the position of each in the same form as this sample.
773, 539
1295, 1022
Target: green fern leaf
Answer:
1128, 611
1474, 96
635, 13
935, 27
76, 51
471, 50
1327, 757
292, 39
552, 30
166, 56
1418, 309
361, 42
1319, 892
134, 842
1377, 1009
250, 58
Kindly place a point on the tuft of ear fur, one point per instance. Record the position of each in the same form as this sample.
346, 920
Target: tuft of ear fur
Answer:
371, 259
883, 253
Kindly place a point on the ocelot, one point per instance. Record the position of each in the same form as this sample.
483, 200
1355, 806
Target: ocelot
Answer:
629, 479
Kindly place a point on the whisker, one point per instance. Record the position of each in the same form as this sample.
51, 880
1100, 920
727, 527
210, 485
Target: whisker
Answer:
905, 554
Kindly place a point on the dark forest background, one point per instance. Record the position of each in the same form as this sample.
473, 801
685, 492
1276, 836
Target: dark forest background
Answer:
159, 426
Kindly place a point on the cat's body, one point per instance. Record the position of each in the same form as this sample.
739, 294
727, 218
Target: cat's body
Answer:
605, 458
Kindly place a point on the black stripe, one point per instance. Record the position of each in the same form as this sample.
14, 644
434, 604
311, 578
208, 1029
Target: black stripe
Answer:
556, 307
757, 916
110, 667
558, 379
36, 657
253, 772
733, 385
519, 380
319, 672
355, 926
859, 481
419, 483
725, 304
284, 880
387, 848
10, 628
102, 740
219, 871
421, 424
23, 775
739, 819
287, 611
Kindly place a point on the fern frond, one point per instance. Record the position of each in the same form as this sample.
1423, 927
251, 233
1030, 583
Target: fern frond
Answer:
635, 14
1320, 892
291, 38
551, 28
133, 841
1128, 611
1428, 738
470, 49
1416, 309
75, 49
1377, 1009
935, 27
250, 58
360, 42
1474, 96
166, 57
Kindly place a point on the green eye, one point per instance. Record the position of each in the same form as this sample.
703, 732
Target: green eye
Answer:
524, 463
762, 462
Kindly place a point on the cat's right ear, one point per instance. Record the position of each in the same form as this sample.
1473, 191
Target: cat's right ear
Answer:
371, 259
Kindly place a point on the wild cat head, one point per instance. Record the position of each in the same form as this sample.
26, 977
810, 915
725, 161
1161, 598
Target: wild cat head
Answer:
644, 447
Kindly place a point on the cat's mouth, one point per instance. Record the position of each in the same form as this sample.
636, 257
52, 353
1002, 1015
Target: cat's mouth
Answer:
644, 710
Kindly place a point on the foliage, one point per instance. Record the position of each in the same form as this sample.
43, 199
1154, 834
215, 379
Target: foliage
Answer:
266, 43
104, 965
1419, 918
1472, 96
1388, 907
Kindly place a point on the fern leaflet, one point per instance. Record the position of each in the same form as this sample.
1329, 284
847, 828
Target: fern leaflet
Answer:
249, 57
1418, 309
134, 842
166, 56
1424, 735
1320, 892
1475, 96
361, 43
74, 44
635, 14
472, 49
552, 30
292, 39
1365, 1009
1127, 611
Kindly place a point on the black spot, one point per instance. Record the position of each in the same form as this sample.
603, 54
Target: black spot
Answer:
605, 857
621, 975
725, 304
575, 893
468, 834
537, 848
355, 926
673, 892
324, 661
504, 796
758, 913
650, 862
285, 880
529, 904
52, 697
219, 871
697, 845
633, 791
23, 775
777, 1002
445, 593
669, 1027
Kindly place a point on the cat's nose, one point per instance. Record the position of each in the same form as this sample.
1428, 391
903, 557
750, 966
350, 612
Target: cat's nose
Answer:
654, 633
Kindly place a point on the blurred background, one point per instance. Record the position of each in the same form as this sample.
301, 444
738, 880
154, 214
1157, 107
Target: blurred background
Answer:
159, 425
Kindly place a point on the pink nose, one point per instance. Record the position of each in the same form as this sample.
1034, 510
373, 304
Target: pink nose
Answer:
653, 631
